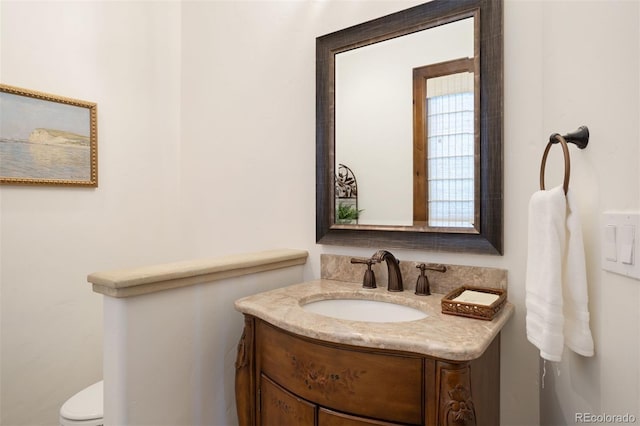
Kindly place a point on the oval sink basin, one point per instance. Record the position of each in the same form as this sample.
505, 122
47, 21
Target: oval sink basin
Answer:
364, 310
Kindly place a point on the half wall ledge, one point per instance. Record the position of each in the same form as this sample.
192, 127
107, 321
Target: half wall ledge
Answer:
149, 279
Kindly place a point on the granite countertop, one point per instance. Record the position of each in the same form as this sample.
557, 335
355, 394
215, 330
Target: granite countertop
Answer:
443, 336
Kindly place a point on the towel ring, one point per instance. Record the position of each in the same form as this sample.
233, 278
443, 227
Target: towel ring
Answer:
567, 162
580, 138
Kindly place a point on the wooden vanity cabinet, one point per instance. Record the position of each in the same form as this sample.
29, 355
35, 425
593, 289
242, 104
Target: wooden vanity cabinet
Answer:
286, 379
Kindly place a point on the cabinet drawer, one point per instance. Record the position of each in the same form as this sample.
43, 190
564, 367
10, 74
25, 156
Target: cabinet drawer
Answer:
331, 418
279, 407
369, 383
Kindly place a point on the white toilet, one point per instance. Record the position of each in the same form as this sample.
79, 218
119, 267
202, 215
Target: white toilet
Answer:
84, 408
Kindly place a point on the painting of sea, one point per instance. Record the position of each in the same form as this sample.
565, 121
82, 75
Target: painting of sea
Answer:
46, 139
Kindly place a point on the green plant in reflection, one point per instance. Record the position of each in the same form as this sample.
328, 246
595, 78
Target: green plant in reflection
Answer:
347, 213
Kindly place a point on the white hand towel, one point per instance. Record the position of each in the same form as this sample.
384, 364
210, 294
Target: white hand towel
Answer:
556, 284
577, 334
546, 247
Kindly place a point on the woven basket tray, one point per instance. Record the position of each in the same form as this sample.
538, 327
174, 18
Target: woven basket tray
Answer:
472, 310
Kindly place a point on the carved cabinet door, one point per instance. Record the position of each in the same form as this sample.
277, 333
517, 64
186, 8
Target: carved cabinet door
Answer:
279, 407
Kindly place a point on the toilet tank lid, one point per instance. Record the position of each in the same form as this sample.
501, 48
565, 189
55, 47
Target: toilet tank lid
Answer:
85, 405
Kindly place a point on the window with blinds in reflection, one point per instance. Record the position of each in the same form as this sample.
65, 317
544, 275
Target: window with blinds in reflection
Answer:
450, 150
445, 146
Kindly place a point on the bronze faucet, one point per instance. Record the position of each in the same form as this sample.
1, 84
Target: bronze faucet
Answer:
395, 276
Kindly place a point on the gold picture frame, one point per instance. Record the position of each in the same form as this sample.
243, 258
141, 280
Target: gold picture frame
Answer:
47, 139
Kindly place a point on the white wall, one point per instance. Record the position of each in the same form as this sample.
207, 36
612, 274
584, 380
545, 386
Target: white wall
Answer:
247, 152
599, 82
220, 119
125, 57
174, 364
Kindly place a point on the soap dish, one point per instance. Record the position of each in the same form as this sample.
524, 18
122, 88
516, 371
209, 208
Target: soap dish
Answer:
474, 302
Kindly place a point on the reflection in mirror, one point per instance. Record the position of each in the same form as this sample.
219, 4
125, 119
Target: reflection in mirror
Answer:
374, 113
347, 211
412, 102
445, 147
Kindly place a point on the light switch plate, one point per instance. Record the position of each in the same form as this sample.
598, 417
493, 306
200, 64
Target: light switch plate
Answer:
624, 227
609, 240
627, 244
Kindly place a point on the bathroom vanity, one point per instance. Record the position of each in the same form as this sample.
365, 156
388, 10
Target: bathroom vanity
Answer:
296, 367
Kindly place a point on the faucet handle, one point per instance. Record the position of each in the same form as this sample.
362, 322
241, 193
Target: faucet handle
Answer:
369, 280
422, 285
431, 267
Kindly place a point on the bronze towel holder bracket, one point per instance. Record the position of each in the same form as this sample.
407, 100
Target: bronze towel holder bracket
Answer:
580, 138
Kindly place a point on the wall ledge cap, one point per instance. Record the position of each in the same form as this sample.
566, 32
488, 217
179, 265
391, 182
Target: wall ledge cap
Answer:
149, 279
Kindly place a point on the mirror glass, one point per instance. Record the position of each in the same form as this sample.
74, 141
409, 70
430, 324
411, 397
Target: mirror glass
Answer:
375, 124
409, 130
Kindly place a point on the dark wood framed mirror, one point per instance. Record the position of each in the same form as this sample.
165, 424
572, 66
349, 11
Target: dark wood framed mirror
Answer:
366, 120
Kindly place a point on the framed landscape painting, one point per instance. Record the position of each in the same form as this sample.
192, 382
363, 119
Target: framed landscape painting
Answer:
47, 139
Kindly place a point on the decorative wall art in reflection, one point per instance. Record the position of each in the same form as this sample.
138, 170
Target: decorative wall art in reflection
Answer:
347, 211
47, 139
